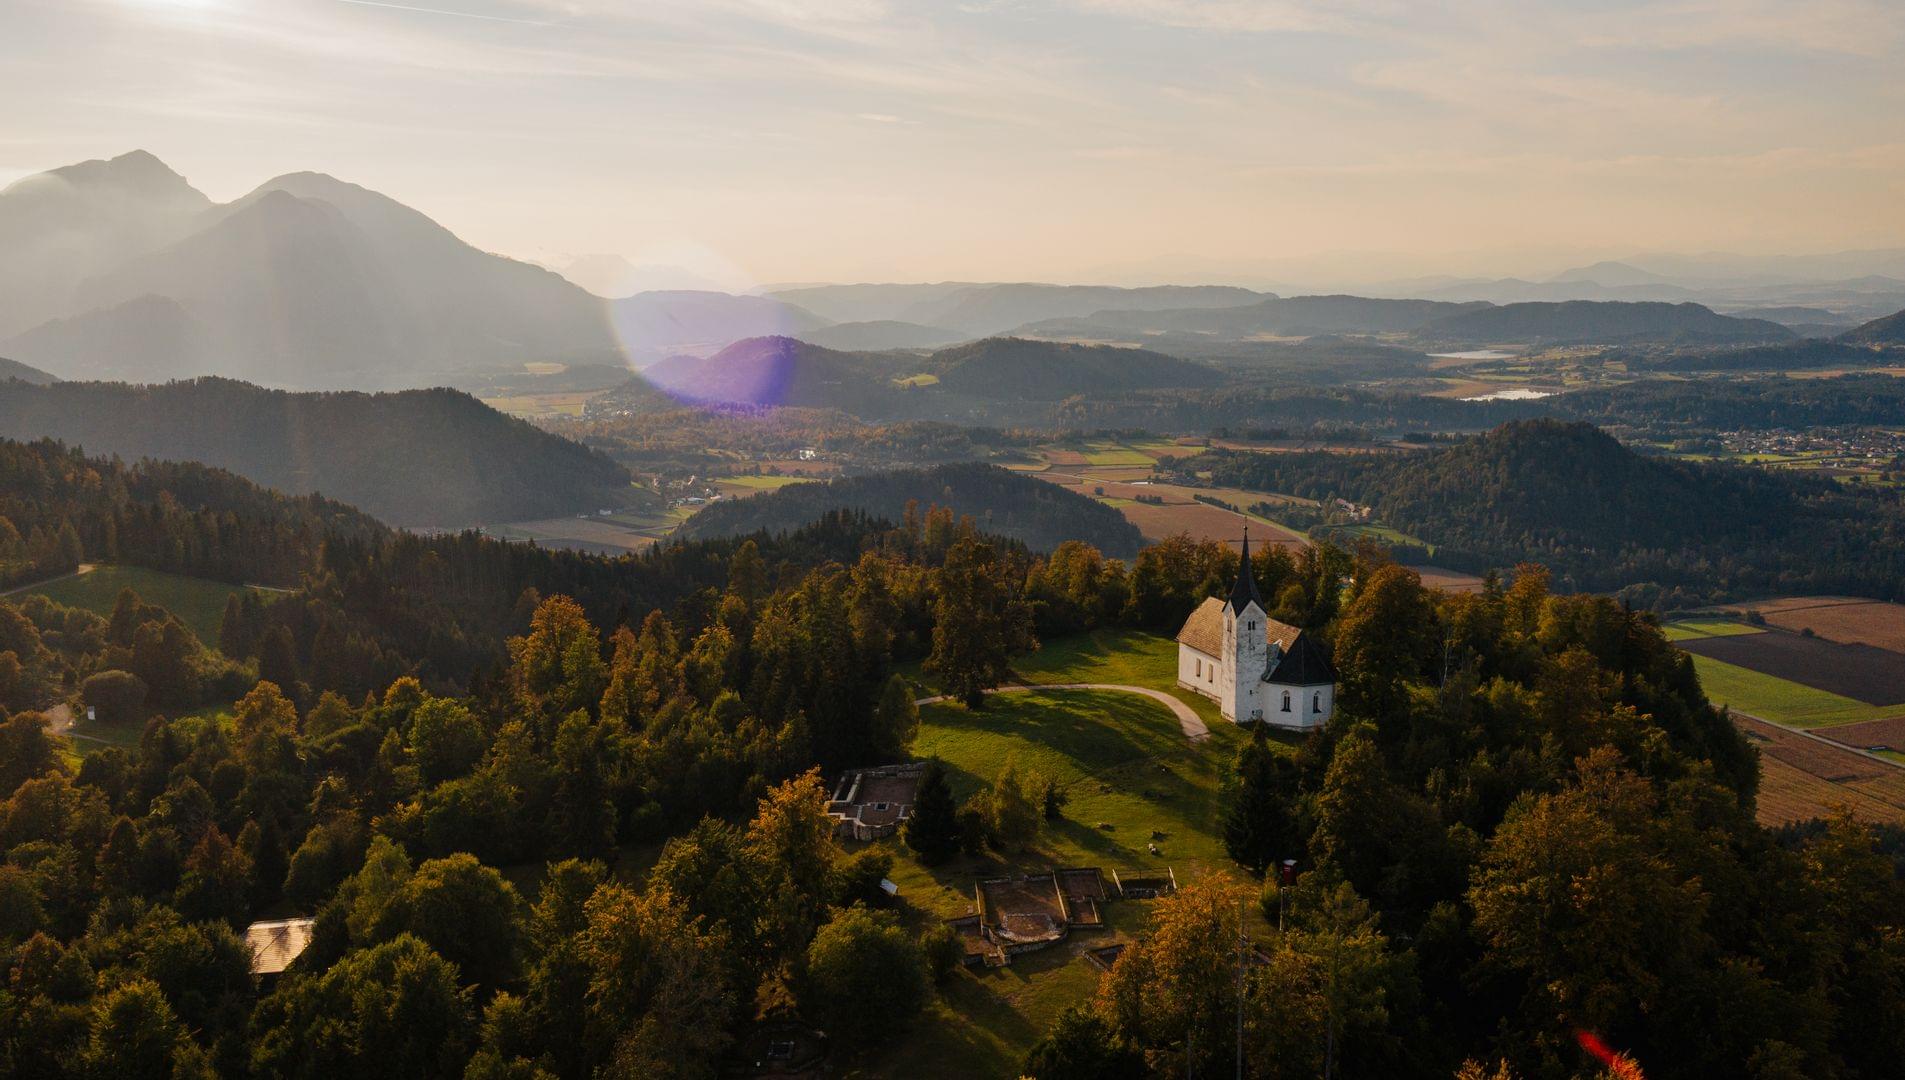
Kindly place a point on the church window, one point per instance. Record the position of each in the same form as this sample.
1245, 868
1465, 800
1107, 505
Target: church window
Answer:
1316, 702
1200, 668
1286, 701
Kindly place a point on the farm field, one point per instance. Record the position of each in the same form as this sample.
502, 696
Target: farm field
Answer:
1690, 629
1860, 673
740, 487
1125, 764
199, 603
1868, 734
1802, 778
542, 406
1455, 581
1781, 701
1180, 512
1849, 620
602, 536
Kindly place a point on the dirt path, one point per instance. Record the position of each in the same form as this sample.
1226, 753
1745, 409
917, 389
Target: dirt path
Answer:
84, 568
1188, 720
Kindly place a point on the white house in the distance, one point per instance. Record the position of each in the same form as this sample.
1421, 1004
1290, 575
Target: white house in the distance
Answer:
1254, 667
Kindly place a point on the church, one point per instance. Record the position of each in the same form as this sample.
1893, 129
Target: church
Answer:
1256, 668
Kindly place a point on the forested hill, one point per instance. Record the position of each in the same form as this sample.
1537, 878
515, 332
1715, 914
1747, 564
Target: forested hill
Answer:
1889, 330
1600, 322
416, 457
1569, 495
1036, 513
13, 369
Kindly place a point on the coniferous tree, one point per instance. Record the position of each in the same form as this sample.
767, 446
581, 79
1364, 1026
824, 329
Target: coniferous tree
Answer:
933, 829
1259, 826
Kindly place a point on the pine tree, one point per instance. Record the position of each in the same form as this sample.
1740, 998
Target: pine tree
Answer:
1259, 827
933, 828
233, 639
895, 721
278, 660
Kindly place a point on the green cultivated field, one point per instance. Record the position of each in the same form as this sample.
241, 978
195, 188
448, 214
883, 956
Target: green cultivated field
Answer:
198, 603
1781, 700
1125, 764
1109, 453
765, 483
1688, 629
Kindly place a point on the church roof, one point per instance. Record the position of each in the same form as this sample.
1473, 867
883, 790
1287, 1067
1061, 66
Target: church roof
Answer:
1295, 657
1204, 630
1244, 591
1300, 662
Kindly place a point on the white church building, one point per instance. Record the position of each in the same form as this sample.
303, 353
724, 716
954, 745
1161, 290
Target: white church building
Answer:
1256, 668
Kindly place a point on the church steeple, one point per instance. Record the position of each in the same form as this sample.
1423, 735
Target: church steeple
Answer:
1244, 592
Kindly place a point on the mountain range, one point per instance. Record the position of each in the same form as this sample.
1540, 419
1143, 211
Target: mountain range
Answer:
120, 269
994, 378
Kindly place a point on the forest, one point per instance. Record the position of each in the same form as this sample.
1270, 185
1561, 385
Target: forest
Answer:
1660, 532
1524, 836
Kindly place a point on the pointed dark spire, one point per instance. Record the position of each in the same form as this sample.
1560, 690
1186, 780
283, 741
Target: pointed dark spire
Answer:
1244, 592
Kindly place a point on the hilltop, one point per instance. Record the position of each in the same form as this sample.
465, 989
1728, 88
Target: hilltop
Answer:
1889, 330
417, 457
1033, 512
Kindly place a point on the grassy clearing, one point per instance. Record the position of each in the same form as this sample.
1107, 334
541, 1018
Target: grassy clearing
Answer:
198, 603
1781, 701
922, 379
1689, 629
1126, 765
1121, 758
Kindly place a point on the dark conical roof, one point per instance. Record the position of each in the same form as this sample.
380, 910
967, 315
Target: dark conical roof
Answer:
1303, 663
1244, 592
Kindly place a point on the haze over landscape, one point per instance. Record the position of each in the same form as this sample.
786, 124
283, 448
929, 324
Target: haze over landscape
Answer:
1070, 539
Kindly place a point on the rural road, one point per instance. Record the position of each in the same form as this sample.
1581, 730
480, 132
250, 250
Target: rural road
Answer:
1818, 738
1192, 724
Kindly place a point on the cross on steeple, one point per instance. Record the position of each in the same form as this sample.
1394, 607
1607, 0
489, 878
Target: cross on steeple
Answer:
1244, 592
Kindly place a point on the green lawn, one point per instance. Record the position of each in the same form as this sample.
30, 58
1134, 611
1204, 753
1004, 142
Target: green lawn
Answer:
1781, 700
1129, 771
199, 603
924, 378
1688, 629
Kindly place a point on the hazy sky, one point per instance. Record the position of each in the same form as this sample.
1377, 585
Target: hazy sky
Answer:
790, 140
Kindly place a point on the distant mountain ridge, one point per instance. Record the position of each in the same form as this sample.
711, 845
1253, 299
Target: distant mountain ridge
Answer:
990, 373
1588, 322
1293, 316
305, 281
984, 309
418, 457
